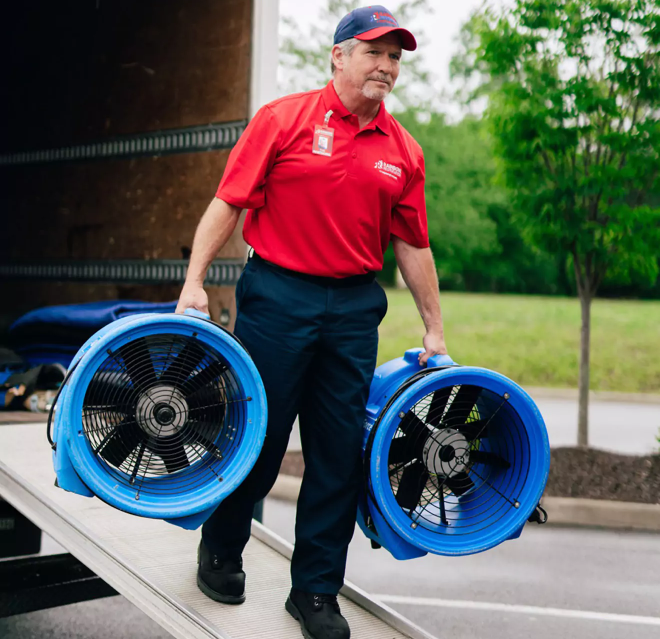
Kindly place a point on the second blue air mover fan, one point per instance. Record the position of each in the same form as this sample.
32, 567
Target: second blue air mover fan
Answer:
456, 458
161, 415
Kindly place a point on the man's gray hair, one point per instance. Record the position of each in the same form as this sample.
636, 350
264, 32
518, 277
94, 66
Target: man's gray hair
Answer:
347, 47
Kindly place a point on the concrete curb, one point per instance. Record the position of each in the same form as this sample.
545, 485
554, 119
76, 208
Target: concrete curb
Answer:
594, 396
601, 513
286, 488
562, 511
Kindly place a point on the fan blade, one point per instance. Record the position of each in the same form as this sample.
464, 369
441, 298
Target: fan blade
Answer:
459, 484
208, 396
205, 433
462, 405
172, 452
406, 449
474, 430
138, 461
485, 457
119, 443
184, 364
411, 445
206, 405
400, 451
211, 411
443, 510
412, 425
438, 405
110, 389
411, 486
137, 361
201, 379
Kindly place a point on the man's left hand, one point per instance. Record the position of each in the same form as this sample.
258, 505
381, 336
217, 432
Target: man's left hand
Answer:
434, 344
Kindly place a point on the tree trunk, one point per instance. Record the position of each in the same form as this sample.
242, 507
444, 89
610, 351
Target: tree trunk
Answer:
583, 402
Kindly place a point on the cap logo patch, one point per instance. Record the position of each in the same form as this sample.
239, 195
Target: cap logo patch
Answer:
386, 18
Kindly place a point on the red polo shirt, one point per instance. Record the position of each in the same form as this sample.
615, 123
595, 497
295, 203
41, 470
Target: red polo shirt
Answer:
331, 216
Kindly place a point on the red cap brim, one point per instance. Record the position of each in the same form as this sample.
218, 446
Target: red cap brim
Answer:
408, 41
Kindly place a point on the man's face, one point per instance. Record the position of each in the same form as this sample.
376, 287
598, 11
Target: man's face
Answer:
373, 68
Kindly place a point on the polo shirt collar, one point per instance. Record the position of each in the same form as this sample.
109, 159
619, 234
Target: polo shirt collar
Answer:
332, 102
382, 120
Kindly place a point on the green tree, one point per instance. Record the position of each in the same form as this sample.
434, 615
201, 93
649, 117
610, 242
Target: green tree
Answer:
476, 243
573, 89
458, 175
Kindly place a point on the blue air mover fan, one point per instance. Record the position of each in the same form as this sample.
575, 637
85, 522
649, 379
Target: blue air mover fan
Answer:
456, 458
161, 415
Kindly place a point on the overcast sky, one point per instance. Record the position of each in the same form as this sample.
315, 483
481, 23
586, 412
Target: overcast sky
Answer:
441, 27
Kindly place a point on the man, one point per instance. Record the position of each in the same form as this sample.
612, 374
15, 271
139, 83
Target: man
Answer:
329, 178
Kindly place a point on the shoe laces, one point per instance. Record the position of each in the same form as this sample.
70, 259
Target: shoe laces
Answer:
319, 600
233, 563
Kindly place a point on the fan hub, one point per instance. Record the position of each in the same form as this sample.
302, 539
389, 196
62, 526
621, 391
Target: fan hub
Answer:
162, 411
164, 414
446, 452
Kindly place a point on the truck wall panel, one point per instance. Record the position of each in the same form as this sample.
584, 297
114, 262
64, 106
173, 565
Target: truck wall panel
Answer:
81, 73
84, 71
144, 208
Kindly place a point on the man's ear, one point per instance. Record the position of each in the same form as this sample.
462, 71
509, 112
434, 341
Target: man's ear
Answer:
338, 57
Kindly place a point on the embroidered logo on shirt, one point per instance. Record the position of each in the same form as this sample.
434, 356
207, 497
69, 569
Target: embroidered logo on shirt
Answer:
390, 170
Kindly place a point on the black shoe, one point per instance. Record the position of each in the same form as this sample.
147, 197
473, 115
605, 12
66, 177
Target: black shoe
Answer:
319, 615
222, 580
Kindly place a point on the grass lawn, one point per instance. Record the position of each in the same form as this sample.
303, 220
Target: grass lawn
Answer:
535, 340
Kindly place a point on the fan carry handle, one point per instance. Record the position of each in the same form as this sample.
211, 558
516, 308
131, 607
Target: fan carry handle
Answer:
438, 361
195, 313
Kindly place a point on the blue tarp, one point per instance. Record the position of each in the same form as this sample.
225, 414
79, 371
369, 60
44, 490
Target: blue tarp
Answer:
54, 334
93, 315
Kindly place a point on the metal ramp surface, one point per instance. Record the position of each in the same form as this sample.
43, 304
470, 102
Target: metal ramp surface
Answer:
153, 564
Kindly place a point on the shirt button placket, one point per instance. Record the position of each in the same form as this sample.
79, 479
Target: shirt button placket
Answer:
354, 154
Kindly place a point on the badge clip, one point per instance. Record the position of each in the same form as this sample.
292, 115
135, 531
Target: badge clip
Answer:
323, 137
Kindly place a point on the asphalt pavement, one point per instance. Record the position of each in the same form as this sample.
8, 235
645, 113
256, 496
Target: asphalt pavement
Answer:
550, 583
621, 427
111, 618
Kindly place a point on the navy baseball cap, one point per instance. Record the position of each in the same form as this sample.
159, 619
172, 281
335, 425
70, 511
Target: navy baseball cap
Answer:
369, 23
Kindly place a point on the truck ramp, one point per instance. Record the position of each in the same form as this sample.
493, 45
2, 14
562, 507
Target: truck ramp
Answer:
153, 564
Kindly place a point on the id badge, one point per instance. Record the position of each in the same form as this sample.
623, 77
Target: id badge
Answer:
323, 139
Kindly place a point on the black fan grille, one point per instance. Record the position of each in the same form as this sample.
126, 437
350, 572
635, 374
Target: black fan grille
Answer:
460, 444
161, 405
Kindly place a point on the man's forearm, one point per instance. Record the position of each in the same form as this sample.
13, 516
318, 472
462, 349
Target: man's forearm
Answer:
418, 270
214, 229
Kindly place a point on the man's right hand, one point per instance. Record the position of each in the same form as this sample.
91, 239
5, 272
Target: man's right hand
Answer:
193, 296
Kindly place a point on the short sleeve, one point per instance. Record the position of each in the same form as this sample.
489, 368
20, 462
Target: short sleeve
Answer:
250, 161
409, 215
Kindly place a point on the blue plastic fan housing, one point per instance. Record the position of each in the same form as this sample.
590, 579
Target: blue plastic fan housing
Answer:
469, 462
207, 467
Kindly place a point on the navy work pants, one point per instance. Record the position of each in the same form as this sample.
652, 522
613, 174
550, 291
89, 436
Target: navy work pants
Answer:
314, 343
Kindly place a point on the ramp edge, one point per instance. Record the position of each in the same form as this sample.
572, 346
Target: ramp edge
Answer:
350, 591
167, 611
